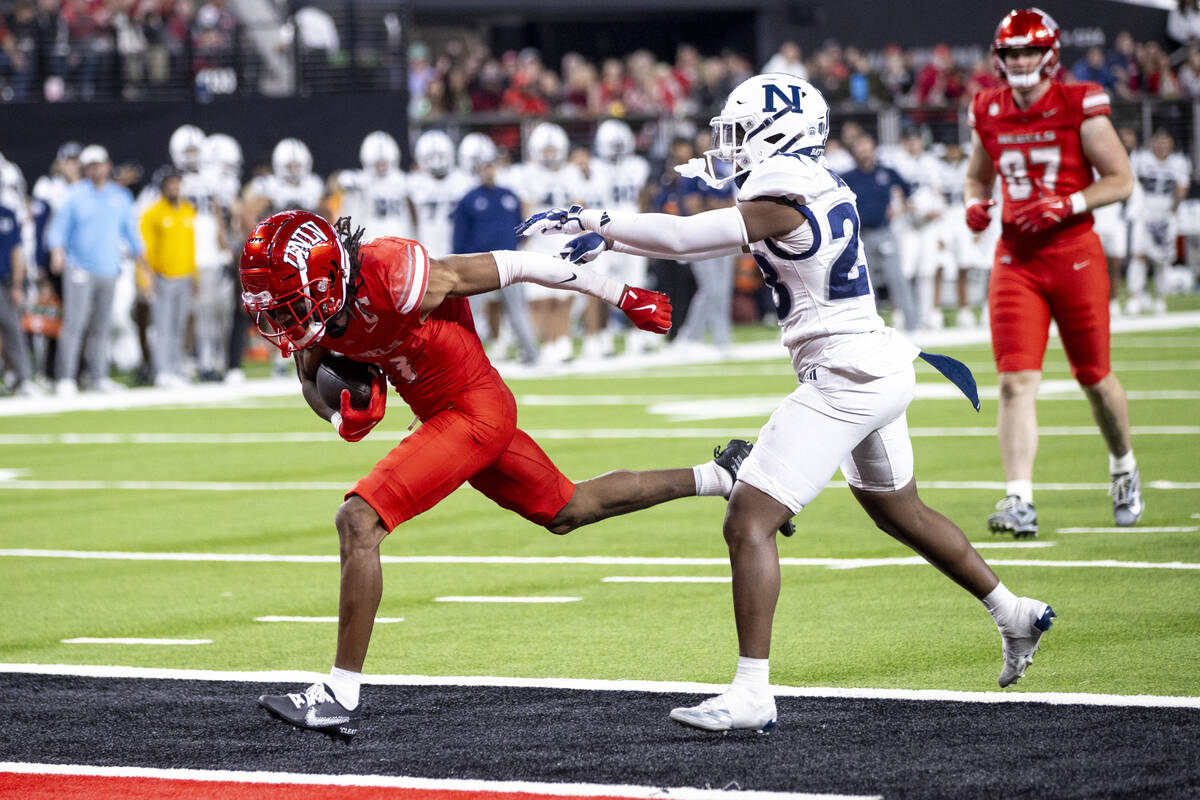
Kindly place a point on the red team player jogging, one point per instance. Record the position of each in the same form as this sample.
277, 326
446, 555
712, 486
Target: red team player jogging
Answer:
1058, 157
316, 290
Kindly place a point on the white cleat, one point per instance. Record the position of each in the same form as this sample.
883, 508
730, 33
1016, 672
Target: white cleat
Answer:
1022, 636
736, 709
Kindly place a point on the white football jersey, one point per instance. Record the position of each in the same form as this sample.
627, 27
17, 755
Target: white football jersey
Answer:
202, 190
819, 275
924, 174
1158, 180
283, 195
625, 180
435, 200
379, 204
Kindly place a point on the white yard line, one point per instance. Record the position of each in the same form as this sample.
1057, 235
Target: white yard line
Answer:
665, 579
483, 788
592, 684
830, 563
1135, 529
378, 620
133, 640
503, 599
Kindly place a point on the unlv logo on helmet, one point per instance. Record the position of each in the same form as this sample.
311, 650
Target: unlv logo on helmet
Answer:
301, 243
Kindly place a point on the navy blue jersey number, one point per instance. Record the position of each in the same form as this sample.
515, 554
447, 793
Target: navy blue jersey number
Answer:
847, 278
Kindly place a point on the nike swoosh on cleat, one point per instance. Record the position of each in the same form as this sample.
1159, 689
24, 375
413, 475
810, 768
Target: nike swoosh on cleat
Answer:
313, 720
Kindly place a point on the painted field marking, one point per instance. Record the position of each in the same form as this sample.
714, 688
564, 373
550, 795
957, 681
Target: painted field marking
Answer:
1012, 545
503, 599
594, 684
1133, 529
665, 579
378, 620
132, 640
477, 788
678, 561
10, 479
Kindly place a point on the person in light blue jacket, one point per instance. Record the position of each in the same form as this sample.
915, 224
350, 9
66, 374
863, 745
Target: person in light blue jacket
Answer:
84, 237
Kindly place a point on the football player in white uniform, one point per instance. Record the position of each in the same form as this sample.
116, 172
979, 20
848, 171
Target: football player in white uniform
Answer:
545, 179
1164, 176
377, 198
435, 188
800, 223
919, 230
291, 183
964, 253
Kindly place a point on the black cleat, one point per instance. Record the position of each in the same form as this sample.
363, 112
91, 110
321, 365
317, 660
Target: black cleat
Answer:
314, 710
730, 459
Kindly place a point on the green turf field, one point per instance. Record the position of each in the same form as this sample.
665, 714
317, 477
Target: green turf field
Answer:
1120, 629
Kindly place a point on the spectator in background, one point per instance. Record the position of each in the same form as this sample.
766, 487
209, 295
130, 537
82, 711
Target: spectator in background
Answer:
937, 82
713, 87
487, 89
1189, 74
675, 194
982, 76
18, 51
1158, 80
1093, 67
864, 83
878, 189
614, 83
1183, 23
787, 59
12, 299
896, 75
1122, 62
85, 237
168, 231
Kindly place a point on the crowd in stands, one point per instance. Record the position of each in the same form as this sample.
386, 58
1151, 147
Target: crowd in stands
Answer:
100, 49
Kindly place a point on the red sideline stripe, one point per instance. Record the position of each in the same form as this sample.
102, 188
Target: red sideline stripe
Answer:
89, 787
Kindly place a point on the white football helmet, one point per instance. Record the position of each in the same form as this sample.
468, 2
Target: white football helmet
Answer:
379, 153
11, 178
223, 151
291, 160
475, 150
765, 115
548, 145
614, 140
186, 147
434, 152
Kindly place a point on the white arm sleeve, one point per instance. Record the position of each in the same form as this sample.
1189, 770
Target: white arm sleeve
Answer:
717, 230
546, 270
619, 247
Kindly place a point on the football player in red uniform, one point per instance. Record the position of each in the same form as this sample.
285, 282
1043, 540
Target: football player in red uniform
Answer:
315, 290
1044, 138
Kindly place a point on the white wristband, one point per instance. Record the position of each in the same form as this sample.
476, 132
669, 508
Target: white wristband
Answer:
1078, 203
336, 422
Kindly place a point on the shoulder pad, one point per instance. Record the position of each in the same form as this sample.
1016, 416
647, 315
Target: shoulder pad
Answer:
787, 175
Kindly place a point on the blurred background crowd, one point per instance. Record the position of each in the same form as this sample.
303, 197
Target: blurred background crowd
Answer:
126, 267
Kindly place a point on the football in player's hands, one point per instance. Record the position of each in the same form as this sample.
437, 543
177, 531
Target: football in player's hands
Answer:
338, 373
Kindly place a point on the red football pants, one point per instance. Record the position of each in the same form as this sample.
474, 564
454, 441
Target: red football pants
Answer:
473, 440
1066, 282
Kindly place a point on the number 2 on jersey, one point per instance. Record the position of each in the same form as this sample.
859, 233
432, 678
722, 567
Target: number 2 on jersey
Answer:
847, 278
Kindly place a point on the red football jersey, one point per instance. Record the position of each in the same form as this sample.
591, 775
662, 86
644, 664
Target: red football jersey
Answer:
427, 361
1037, 152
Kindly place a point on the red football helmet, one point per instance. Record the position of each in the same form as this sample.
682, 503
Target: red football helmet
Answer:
294, 274
1027, 27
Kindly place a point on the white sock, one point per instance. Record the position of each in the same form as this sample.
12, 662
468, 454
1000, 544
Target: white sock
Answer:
1118, 466
753, 674
345, 685
1000, 603
712, 480
1022, 489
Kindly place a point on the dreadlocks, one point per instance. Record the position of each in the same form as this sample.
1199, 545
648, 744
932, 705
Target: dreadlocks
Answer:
351, 241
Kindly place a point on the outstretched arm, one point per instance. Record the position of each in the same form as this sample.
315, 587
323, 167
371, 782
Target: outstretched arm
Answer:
462, 276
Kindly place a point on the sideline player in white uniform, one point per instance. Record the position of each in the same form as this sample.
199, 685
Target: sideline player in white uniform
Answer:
919, 230
545, 179
291, 183
964, 253
800, 222
435, 188
627, 176
377, 198
1164, 176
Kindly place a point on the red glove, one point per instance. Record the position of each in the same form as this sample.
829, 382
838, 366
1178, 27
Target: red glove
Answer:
352, 423
1040, 215
979, 215
650, 311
